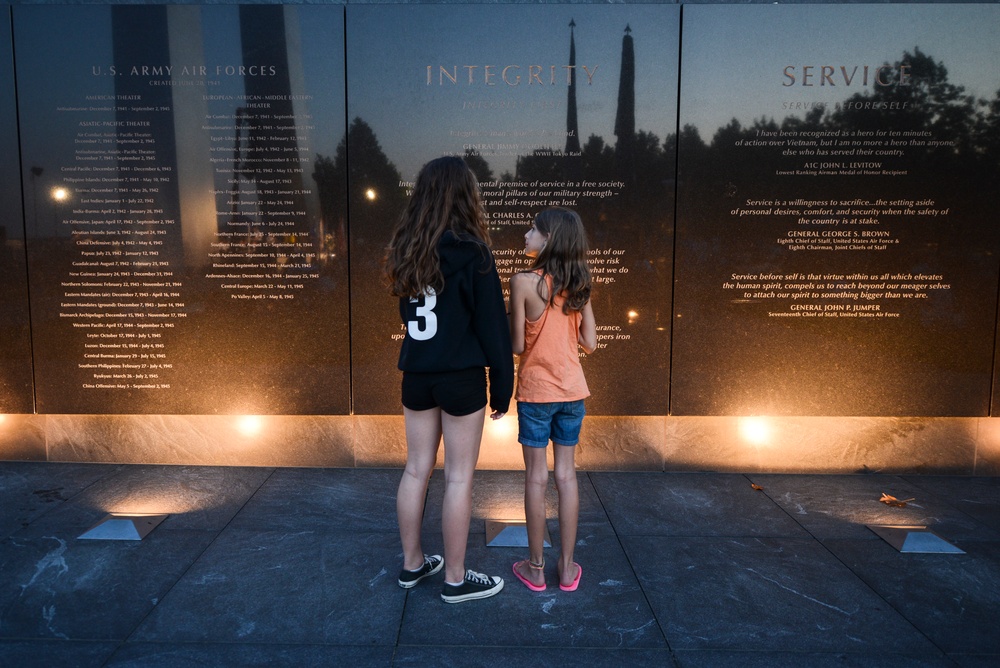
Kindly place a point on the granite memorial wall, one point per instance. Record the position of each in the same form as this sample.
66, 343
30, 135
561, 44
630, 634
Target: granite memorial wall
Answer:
16, 395
186, 227
794, 216
837, 236
576, 110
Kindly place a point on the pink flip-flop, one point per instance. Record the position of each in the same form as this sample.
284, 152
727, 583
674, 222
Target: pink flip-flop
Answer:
576, 581
527, 583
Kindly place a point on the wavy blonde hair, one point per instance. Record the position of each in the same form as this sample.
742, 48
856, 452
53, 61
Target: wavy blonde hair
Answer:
564, 258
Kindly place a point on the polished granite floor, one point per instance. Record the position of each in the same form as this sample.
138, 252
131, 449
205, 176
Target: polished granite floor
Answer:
297, 567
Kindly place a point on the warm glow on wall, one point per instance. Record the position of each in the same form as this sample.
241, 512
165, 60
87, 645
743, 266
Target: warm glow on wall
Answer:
755, 430
163, 496
250, 425
370, 195
508, 510
60, 194
503, 429
160, 502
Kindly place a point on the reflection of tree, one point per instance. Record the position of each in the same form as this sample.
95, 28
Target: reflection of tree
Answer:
966, 130
653, 165
598, 159
949, 145
376, 198
988, 134
478, 165
932, 103
964, 158
541, 165
374, 194
333, 208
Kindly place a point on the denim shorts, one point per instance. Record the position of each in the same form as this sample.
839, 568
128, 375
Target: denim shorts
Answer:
454, 392
559, 421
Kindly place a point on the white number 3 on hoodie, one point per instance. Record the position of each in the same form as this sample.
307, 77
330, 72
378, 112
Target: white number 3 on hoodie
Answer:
427, 313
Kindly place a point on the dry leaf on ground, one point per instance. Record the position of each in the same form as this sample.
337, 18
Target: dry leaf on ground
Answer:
893, 501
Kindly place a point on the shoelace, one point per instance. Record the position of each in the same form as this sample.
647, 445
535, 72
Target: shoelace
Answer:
478, 578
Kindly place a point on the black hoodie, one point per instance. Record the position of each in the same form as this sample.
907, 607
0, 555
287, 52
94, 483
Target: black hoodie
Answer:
465, 325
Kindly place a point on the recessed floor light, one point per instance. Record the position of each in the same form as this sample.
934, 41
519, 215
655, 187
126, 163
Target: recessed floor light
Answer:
914, 539
120, 526
510, 533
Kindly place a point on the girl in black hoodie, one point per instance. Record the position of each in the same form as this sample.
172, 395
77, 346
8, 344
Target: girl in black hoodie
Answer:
440, 267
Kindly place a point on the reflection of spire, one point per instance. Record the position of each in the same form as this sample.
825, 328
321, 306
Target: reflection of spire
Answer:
140, 34
271, 135
572, 128
269, 125
625, 118
239, 118
198, 210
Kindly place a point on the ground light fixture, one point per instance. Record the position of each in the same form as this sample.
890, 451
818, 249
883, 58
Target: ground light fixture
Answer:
914, 539
511, 533
123, 526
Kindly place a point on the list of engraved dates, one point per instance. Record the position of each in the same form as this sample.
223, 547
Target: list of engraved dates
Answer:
121, 289
128, 288
262, 250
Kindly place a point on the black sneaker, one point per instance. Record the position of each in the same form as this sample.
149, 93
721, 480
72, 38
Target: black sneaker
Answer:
432, 565
476, 585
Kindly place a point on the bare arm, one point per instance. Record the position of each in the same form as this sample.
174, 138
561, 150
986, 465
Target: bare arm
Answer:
588, 330
518, 285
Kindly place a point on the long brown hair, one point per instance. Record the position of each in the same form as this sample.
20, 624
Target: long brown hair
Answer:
445, 197
564, 258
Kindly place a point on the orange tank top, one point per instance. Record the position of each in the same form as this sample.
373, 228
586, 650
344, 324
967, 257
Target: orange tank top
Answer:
549, 369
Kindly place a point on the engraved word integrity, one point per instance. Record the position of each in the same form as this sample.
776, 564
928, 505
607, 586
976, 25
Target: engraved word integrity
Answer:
511, 75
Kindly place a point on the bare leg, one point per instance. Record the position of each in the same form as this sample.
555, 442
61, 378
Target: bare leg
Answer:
536, 480
569, 510
423, 436
462, 438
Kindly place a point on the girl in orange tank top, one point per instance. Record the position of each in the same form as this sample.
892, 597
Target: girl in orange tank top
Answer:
550, 319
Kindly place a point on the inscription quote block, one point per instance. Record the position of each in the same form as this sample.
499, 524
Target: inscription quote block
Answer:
836, 250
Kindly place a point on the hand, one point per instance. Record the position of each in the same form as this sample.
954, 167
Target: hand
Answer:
496, 415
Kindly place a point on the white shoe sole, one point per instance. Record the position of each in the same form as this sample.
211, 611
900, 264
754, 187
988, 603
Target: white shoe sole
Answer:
472, 596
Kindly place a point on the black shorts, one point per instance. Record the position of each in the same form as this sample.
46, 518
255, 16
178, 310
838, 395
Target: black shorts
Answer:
455, 392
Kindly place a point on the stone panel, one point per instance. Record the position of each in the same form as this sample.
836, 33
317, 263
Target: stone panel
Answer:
835, 250
575, 107
186, 221
16, 392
